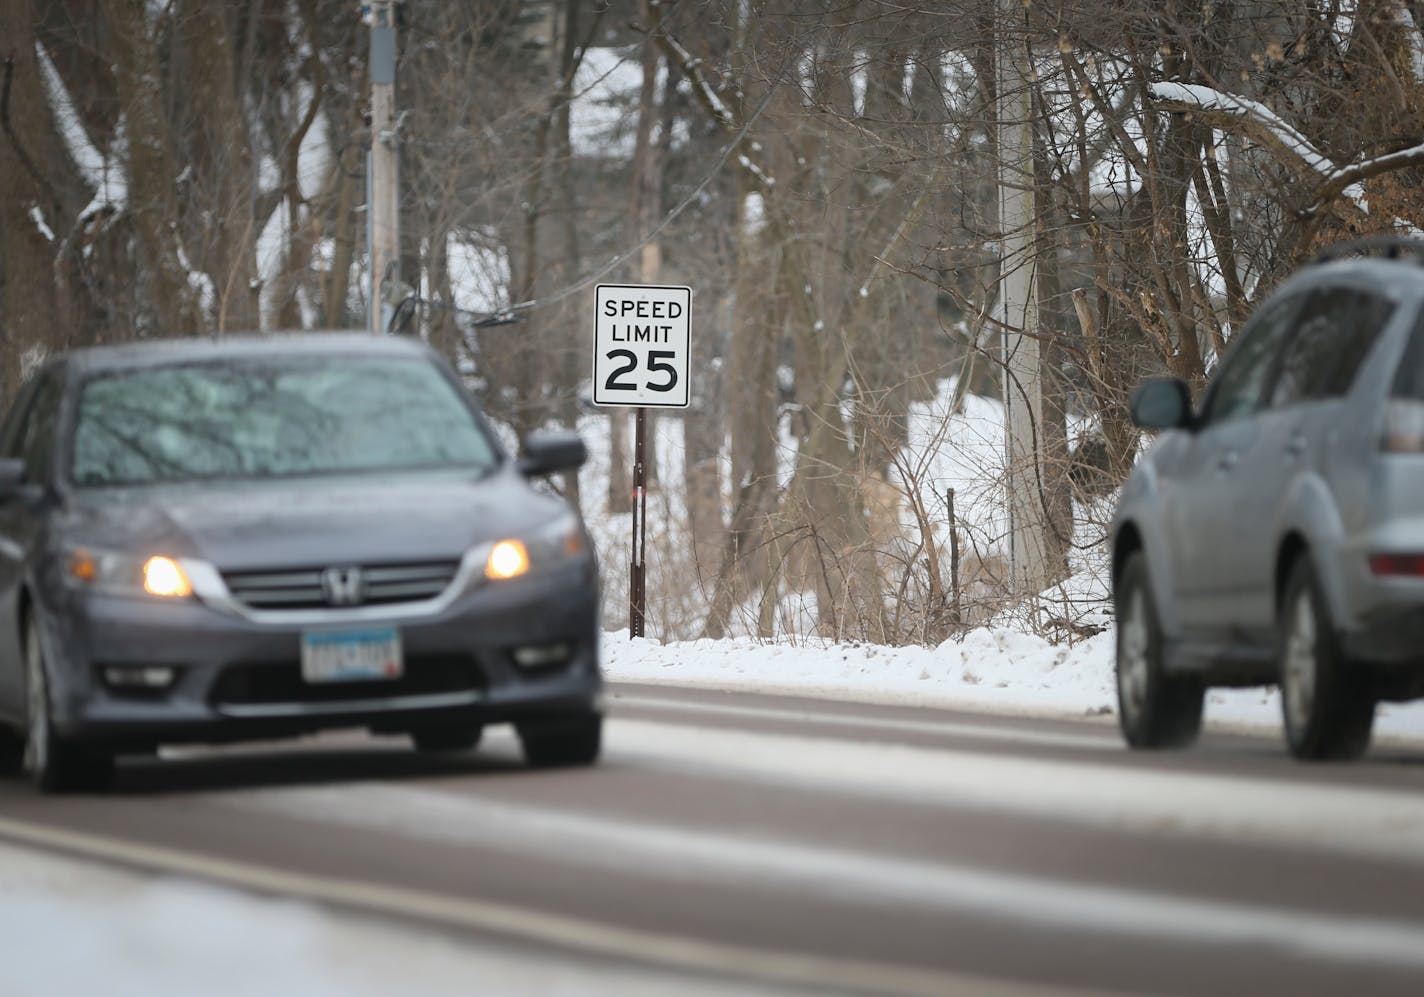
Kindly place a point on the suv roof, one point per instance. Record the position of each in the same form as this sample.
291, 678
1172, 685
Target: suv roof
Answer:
1390, 247
1388, 264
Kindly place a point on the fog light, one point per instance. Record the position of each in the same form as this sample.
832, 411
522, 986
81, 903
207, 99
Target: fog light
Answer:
145, 677
541, 655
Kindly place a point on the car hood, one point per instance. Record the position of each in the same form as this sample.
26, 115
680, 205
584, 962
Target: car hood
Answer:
313, 521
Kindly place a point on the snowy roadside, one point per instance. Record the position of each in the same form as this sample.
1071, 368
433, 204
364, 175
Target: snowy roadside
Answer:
989, 670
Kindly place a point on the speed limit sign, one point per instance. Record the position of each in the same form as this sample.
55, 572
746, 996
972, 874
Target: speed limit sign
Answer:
641, 345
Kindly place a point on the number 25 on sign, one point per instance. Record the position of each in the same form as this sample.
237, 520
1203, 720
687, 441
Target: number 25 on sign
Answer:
641, 345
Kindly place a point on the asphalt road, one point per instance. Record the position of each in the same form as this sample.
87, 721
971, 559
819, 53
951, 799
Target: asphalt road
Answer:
751, 840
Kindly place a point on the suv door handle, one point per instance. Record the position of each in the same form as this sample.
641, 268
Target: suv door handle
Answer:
1296, 446
1227, 461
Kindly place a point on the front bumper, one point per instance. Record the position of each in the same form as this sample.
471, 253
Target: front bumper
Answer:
239, 679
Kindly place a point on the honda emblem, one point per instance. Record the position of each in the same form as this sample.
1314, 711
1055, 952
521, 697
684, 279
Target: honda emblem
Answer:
342, 586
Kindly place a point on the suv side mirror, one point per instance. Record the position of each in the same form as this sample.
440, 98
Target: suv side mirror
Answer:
545, 453
1162, 403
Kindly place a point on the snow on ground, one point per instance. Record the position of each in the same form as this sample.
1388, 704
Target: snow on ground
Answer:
948, 449
995, 670
990, 669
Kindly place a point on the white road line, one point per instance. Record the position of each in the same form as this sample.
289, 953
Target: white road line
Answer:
689, 855
1347, 819
646, 947
947, 728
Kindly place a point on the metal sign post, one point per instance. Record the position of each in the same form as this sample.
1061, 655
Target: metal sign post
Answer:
638, 567
641, 348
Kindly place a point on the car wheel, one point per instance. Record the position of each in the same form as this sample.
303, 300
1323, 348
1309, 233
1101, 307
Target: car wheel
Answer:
53, 763
558, 744
1155, 709
435, 740
1328, 711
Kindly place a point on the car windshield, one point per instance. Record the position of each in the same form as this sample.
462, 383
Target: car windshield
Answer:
267, 418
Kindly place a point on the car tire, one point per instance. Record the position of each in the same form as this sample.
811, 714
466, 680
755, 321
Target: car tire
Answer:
441, 740
562, 743
1155, 709
1327, 709
54, 763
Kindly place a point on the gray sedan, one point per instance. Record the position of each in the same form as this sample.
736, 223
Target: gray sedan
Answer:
210, 541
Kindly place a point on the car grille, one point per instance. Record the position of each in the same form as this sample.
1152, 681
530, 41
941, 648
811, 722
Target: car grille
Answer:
381, 584
269, 684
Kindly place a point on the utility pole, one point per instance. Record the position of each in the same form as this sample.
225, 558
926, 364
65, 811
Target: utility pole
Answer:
1023, 386
383, 205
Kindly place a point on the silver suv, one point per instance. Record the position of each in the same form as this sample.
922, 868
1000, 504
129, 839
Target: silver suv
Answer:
1276, 535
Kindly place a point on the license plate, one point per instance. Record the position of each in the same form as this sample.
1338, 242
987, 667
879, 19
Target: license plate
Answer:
351, 655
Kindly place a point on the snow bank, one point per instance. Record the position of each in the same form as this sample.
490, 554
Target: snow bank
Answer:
1002, 670
990, 670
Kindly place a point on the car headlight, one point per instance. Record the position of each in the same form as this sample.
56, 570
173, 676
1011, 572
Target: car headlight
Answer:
128, 574
556, 544
507, 559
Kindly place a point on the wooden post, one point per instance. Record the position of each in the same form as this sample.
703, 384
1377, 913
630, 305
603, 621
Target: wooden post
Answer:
1018, 311
957, 614
384, 206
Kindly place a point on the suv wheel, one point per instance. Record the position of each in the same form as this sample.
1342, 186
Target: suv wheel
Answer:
557, 744
1155, 709
53, 763
1328, 711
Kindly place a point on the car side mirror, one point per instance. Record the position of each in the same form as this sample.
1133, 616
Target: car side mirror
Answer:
1162, 403
12, 476
547, 452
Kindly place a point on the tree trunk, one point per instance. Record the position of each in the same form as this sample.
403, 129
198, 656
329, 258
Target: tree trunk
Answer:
168, 306
216, 130
571, 362
1052, 483
645, 203
335, 309
756, 330
27, 291
620, 476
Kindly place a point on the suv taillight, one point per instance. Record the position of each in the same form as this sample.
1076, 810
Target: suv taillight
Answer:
1403, 426
1397, 564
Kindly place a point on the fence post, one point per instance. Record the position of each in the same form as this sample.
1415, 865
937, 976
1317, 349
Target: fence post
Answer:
956, 616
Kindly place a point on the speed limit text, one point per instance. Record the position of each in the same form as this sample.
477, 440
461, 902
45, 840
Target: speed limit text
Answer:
639, 333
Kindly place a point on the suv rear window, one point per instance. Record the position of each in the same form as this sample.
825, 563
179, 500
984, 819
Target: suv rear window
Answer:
1335, 331
1409, 378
